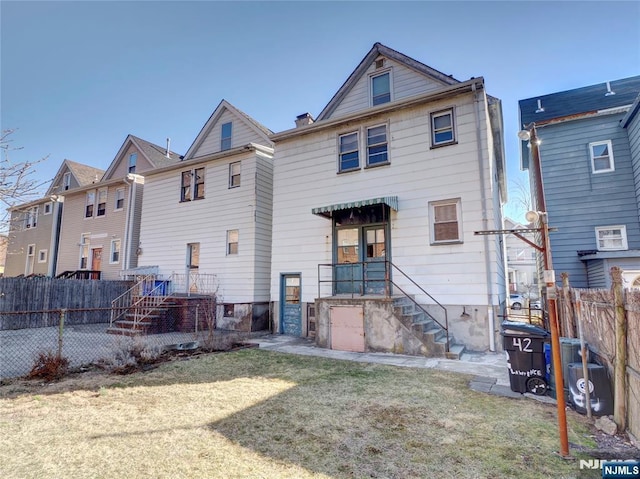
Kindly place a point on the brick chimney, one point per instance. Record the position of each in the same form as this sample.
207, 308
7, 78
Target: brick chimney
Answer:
303, 120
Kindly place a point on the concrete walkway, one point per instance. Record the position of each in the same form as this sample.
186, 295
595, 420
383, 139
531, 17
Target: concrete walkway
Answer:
489, 370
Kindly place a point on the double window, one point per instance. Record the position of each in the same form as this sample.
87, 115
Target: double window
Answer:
611, 238
225, 136
446, 222
601, 156
31, 220
442, 128
377, 148
192, 185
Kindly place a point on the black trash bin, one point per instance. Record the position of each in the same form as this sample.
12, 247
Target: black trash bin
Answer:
524, 344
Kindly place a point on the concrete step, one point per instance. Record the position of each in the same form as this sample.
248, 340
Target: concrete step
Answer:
455, 351
125, 331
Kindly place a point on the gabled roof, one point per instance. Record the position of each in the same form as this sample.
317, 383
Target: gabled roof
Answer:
579, 101
154, 154
84, 174
261, 130
377, 50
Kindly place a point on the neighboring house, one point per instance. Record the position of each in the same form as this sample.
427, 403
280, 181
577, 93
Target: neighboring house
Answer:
206, 220
382, 193
99, 235
521, 261
4, 240
591, 178
35, 226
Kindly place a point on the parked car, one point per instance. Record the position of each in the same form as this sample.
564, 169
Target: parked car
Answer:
537, 304
516, 301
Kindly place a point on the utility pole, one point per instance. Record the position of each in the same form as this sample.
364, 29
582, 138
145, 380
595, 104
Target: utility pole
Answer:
535, 169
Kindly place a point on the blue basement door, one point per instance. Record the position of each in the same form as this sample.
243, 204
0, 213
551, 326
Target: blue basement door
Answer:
291, 311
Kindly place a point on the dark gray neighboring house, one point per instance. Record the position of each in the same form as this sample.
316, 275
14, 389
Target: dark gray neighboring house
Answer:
590, 160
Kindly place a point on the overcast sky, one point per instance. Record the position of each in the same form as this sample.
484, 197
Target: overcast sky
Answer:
77, 77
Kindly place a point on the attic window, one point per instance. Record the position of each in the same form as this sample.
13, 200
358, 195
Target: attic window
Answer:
66, 181
133, 158
225, 136
381, 89
379, 63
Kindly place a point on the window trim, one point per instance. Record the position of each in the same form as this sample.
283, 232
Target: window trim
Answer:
40, 252
116, 198
133, 162
99, 192
226, 142
89, 194
593, 158
623, 237
377, 74
432, 116
112, 250
192, 187
340, 153
386, 142
238, 175
432, 222
230, 243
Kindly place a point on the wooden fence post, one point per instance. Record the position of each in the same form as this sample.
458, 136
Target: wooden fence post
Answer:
620, 366
567, 312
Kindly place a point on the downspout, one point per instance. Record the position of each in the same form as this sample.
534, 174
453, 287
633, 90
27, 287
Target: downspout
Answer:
55, 236
485, 221
128, 226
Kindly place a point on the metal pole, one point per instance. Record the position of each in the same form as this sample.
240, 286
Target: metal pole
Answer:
551, 293
63, 313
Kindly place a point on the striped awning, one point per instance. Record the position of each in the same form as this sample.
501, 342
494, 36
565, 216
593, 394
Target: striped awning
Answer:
326, 211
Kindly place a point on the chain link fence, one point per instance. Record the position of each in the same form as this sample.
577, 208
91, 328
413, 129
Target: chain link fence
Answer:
85, 337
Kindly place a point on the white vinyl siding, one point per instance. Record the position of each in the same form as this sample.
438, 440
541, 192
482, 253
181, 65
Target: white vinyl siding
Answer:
405, 83
167, 226
242, 134
305, 178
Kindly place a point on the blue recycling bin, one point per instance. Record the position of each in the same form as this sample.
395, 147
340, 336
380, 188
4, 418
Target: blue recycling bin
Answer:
157, 288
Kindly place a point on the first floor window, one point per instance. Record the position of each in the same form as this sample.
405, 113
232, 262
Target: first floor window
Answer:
31, 255
611, 238
601, 156
349, 159
115, 251
442, 131
42, 256
102, 202
193, 255
232, 242
377, 145
229, 310
234, 174
445, 222
119, 199
85, 243
89, 204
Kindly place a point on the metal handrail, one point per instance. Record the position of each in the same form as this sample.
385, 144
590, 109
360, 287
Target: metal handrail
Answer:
123, 303
389, 267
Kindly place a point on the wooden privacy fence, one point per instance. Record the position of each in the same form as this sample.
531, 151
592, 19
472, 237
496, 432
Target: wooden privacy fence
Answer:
38, 297
610, 322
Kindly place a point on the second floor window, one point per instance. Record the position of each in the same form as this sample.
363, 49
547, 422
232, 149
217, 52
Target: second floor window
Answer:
192, 185
102, 202
225, 136
611, 238
377, 145
601, 156
234, 174
89, 204
119, 199
442, 131
349, 158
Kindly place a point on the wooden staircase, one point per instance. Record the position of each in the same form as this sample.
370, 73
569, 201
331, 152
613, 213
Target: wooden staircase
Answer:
426, 329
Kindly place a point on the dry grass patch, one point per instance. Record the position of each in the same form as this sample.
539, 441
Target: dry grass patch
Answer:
256, 413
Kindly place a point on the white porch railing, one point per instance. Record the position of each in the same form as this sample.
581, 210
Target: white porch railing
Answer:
194, 283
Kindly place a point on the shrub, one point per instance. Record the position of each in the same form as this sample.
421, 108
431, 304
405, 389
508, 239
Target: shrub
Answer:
49, 366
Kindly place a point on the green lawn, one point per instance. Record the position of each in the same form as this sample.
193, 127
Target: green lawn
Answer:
260, 414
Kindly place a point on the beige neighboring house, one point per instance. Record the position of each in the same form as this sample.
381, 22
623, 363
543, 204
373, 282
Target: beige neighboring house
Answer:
34, 227
521, 262
3, 252
99, 235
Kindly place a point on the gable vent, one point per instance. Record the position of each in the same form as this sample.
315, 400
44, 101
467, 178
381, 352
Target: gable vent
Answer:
379, 63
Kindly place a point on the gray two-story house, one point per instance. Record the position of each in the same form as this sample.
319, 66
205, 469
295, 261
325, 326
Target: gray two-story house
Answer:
591, 178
